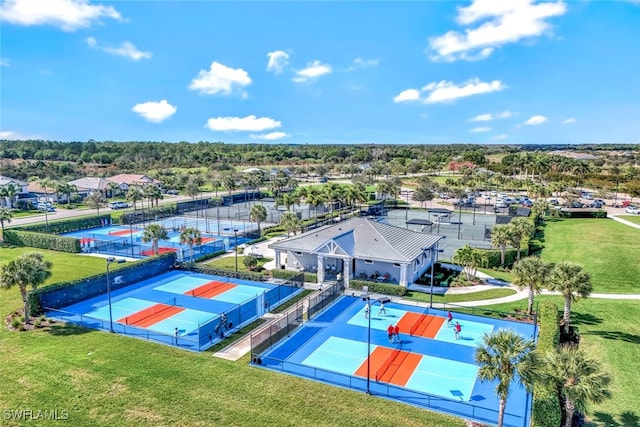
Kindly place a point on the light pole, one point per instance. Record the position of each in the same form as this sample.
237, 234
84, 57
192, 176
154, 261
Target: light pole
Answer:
109, 261
368, 300
434, 252
235, 245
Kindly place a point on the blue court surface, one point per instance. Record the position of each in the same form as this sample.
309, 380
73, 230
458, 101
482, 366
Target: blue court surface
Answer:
429, 367
202, 308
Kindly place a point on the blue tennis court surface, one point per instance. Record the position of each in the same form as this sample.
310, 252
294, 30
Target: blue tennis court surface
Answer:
188, 310
428, 368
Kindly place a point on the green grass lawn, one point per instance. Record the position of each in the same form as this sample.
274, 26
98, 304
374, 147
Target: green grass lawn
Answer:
610, 332
631, 218
498, 274
607, 249
229, 263
471, 296
103, 379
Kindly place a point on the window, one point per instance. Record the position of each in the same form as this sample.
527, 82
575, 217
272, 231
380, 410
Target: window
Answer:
368, 261
395, 264
298, 253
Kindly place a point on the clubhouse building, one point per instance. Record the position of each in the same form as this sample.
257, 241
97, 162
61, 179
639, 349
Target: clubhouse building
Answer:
360, 248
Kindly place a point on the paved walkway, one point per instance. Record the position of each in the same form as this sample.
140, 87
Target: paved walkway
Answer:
624, 221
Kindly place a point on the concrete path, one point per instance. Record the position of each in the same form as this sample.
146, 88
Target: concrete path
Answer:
624, 221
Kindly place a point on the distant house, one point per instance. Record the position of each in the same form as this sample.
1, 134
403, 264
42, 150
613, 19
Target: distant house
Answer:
21, 190
38, 193
360, 248
88, 185
124, 181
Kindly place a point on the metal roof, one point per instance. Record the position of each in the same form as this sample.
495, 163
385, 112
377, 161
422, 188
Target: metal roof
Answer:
363, 238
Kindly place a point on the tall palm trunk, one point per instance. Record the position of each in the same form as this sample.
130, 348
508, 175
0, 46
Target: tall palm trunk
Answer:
570, 409
567, 312
503, 404
530, 305
23, 293
503, 254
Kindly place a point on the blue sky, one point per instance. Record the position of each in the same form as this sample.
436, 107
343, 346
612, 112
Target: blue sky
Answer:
433, 72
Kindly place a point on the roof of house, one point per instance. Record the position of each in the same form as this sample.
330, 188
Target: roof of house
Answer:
126, 178
363, 238
90, 183
5, 180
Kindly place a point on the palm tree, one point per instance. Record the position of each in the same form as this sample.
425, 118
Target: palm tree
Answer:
190, 236
531, 272
505, 356
519, 229
500, 238
134, 194
5, 216
258, 214
316, 199
9, 192
470, 258
578, 378
28, 269
573, 282
153, 233
67, 190
290, 222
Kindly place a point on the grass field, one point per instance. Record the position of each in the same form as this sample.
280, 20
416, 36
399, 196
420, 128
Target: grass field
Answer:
610, 332
110, 380
471, 296
607, 249
229, 263
631, 218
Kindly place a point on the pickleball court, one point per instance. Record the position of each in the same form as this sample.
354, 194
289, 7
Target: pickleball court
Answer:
428, 368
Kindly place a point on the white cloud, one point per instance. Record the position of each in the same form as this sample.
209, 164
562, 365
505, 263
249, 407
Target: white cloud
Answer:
480, 129
536, 120
360, 63
250, 123
272, 136
446, 91
314, 70
407, 95
488, 117
221, 79
155, 112
69, 15
4, 62
126, 49
499, 137
500, 22
15, 136
570, 120
278, 59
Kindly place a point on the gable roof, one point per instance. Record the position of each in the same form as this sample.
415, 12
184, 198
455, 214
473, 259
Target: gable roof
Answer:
90, 183
5, 180
126, 178
362, 238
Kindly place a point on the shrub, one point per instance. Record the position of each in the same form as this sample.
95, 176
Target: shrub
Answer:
311, 277
212, 255
42, 241
379, 288
547, 411
16, 322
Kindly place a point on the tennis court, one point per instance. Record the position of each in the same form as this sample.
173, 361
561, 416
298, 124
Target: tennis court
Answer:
127, 241
429, 367
188, 310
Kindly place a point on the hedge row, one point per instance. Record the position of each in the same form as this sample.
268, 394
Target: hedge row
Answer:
68, 225
42, 241
378, 288
546, 406
34, 297
493, 257
205, 269
583, 214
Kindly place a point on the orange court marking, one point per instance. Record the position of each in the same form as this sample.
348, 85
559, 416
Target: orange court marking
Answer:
210, 289
151, 315
399, 365
120, 232
428, 326
207, 239
161, 250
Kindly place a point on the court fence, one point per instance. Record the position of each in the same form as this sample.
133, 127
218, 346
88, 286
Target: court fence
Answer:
459, 408
291, 319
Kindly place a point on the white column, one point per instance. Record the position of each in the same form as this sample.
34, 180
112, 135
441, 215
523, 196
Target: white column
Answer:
277, 259
320, 269
404, 274
346, 272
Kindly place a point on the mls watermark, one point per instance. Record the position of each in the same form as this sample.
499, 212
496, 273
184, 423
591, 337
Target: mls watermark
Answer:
35, 414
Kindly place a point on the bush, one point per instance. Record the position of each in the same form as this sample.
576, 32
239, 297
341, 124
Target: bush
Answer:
212, 255
547, 411
493, 257
379, 288
67, 225
284, 274
16, 322
311, 277
31, 239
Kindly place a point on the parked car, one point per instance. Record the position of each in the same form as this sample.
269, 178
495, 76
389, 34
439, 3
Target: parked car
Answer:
632, 210
527, 203
118, 205
45, 207
174, 192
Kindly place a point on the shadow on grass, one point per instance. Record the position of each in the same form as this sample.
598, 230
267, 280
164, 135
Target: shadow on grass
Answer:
584, 319
626, 419
66, 329
615, 335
